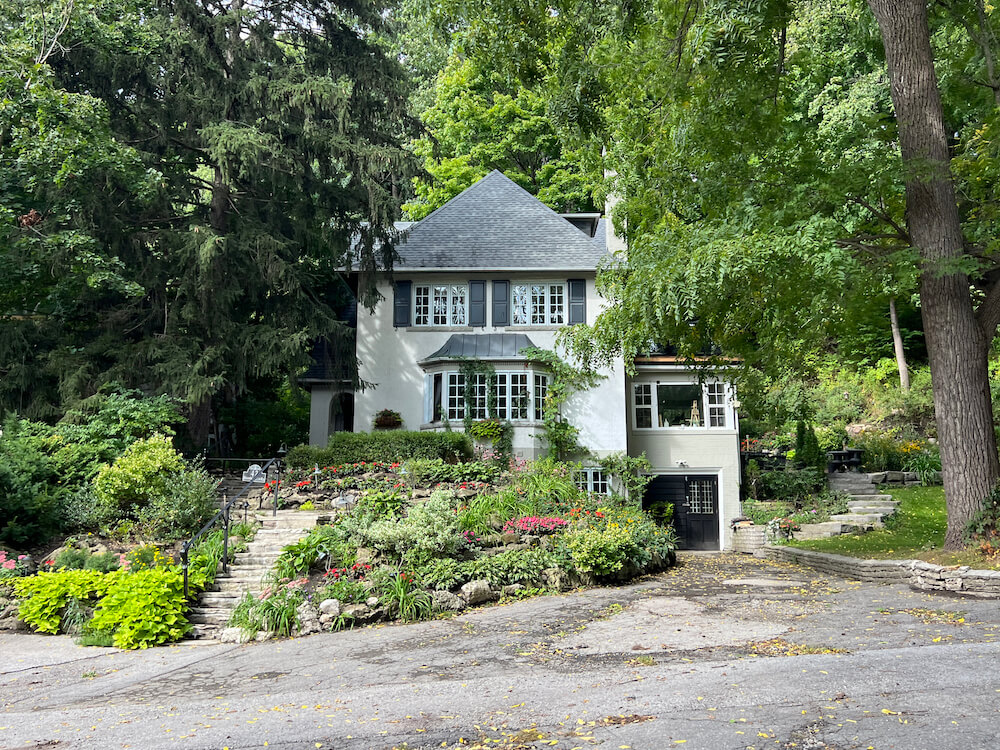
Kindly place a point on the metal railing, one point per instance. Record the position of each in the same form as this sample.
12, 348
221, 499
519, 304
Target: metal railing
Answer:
224, 515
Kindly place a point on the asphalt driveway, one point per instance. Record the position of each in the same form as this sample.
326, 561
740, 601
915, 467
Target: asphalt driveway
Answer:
724, 651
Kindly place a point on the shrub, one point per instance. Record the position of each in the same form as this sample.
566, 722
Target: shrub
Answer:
323, 545
424, 471
794, 486
548, 484
187, 503
429, 530
388, 446
617, 542
883, 452
142, 472
514, 566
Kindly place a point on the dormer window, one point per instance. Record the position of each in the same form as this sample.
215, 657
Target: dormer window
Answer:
440, 304
538, 304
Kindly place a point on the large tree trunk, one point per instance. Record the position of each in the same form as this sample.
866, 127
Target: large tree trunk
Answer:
956, 343
897, 347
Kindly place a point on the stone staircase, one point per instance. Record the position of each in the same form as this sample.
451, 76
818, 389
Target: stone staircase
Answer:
215, 605
866, 508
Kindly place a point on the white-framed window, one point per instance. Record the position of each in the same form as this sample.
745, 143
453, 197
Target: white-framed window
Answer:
478, 400
661, 405
593, 480
520, 396
642, 394
715, 396
538, 303
541, 391
440, 304
456, 395
513, 398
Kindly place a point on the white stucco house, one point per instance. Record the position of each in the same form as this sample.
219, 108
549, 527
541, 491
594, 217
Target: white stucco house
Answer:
490, 273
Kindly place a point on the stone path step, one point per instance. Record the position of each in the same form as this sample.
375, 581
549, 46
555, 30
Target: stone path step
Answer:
215, 605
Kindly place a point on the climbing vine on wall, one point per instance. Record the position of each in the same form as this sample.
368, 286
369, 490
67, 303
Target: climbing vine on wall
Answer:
560, 436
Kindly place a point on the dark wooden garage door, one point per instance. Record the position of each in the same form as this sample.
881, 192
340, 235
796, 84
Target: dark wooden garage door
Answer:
696, 507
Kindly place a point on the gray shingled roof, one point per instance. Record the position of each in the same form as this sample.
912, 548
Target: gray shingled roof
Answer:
497, 225
482, 346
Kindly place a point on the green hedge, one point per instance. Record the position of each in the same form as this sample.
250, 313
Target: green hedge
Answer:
390, 446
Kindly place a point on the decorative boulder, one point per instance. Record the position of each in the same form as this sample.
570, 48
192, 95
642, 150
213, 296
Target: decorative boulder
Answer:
477, 592
445, 601
556, 578
330, 607
512, 590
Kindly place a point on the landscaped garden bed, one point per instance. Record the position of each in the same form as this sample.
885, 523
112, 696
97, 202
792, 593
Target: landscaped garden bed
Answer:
424, 537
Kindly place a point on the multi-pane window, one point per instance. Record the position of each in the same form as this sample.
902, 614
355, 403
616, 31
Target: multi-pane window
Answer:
592, 480
440, 305
520, 397
715, 393
541, 391
701, 496
519, 305
512, 397
421, 306
457, 304
501, 397
643, 394
477, 397
679, 405
456, 395
538, 304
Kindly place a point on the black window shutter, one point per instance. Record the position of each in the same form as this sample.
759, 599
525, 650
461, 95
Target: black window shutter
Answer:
477, 304
501, 303
401, 304
577, 301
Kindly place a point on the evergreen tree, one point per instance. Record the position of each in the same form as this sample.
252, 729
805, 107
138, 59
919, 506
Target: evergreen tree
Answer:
271, 133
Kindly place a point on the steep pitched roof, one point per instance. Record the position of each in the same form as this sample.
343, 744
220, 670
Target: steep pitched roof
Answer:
497, 225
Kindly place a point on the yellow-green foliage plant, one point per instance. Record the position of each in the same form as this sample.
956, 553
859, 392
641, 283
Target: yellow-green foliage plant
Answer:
143, 609
43, 597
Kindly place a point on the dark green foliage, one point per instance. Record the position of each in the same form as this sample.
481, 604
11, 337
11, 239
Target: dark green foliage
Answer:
266, 420
389, 446
807, 450
265, 160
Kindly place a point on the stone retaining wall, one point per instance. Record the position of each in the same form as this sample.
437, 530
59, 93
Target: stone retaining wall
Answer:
918, 574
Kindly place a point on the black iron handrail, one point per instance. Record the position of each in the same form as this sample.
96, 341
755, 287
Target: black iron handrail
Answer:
224, 515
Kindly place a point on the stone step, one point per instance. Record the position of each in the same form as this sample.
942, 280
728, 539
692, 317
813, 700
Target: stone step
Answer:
204, 632
860, 489
253, 560
858, 519
875, 498
220, 599
871, 510
818, 530
198, 618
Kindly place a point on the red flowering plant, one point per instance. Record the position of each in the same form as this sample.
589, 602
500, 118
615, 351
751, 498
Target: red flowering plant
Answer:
535, 525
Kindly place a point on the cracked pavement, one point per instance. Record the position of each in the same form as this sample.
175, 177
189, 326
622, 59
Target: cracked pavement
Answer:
724, 651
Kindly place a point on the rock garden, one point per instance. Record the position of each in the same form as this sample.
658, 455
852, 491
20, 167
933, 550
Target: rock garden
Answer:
402, 541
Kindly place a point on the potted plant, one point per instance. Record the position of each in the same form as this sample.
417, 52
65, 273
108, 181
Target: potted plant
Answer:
387, 419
